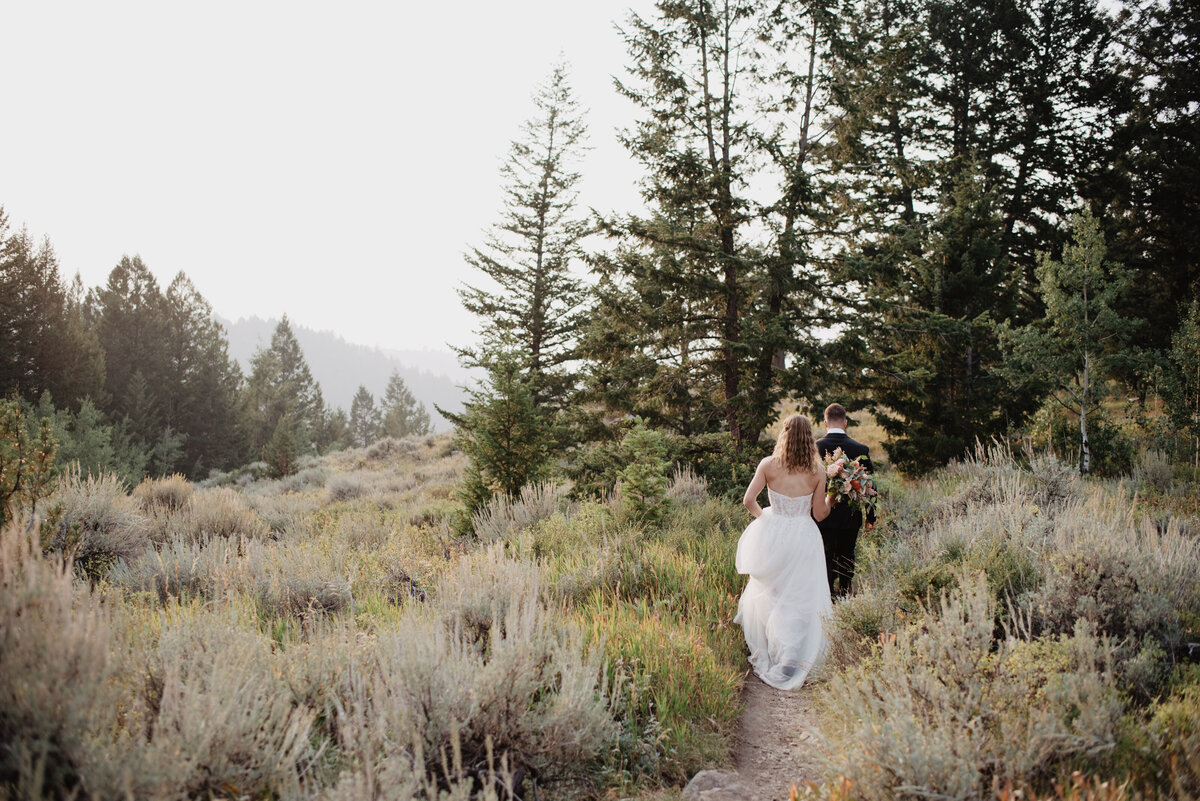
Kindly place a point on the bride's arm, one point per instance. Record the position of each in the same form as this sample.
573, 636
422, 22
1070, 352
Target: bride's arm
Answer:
756, 487
821, 503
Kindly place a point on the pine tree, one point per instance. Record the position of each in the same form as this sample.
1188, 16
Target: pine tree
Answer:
281, 384
403, 414
530, 296
1180, 381
1146, 178
130, 319
643, 480
27, 464
44, 344
200, 393
966, 130
502, 433
87, 442
723, 269
283, 449
1084, 337
937, 380
365, 420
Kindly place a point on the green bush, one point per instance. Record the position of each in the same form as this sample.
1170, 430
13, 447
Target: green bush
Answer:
26, 462
643, 479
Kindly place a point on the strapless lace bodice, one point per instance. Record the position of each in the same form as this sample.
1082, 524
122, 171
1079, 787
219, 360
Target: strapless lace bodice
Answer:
787, 506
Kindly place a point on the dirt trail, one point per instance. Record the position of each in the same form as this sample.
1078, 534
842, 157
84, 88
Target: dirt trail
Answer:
774, 748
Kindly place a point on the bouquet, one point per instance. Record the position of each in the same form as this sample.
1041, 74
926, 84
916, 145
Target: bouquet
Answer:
848, 481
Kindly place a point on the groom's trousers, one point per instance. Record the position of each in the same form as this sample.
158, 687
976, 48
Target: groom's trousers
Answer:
839, 558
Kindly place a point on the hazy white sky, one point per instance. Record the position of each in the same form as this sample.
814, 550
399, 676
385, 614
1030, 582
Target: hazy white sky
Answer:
327, 160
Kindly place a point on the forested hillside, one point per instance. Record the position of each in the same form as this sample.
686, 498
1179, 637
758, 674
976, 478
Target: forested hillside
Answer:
138, 380
340, 367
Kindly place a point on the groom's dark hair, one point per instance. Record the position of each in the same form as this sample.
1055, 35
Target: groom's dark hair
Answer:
835, 412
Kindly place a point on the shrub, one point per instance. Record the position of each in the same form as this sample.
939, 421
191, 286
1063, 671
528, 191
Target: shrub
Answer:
1175, 734
345, 487
1153, 471
285, 580
502, 516
99, 525
391, 448
525, 693
478, 594
1055, 482
945, 713
167, 494
366, 529
858, 624
686, 487
219, 512
55, 668
296, 580
305, 479
1127, 580
182, 568
281, 514
215, 715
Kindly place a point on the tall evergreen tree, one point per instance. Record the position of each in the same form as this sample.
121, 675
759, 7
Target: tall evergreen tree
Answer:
734, 101
1180, 381
44, 344
281, 384
402, 413
1145, 184
200, 394
130, 319
965, 132
530, 295
365, 419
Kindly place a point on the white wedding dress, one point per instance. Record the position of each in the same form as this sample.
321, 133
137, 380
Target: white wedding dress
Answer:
786, 599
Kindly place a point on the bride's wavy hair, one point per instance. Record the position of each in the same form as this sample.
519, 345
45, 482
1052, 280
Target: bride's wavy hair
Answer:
796, 449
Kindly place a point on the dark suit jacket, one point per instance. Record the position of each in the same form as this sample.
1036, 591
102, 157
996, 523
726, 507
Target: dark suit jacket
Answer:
842, 517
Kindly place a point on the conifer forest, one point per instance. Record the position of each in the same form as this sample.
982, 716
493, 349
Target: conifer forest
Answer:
973, 224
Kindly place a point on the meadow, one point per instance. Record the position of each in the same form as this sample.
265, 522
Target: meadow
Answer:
1017, 632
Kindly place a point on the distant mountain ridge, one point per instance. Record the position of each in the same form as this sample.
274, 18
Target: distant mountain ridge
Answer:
340, 367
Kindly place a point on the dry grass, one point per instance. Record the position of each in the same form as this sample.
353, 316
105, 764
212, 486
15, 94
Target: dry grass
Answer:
170, 493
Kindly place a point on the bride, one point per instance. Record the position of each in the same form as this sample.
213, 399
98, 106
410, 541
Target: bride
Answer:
787, 595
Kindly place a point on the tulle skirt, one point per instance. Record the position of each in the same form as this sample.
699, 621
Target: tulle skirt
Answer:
786, 601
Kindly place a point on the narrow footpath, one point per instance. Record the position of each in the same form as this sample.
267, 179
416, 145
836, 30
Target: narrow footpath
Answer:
775, 748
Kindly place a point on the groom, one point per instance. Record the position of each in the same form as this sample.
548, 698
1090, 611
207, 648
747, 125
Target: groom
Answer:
840, 530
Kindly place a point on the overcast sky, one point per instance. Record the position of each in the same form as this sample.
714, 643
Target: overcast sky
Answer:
328, 160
